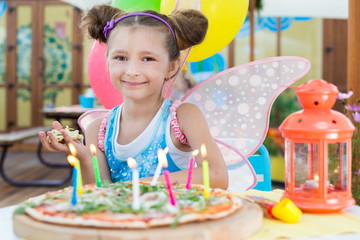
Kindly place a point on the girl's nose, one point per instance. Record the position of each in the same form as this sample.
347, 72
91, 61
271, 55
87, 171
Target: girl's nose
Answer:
132, 69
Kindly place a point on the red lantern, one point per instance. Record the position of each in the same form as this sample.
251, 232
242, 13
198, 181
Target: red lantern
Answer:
318, 151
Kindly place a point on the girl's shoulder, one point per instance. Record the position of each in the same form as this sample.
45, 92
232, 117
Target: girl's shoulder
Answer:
188, 112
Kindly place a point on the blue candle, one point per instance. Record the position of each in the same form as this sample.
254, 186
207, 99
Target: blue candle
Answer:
74, 184
72, 162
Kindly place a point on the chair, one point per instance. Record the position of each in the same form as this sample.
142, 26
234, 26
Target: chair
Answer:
86, 118
261, 164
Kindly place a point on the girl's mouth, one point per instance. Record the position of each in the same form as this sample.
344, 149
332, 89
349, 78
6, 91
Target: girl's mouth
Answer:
133, 84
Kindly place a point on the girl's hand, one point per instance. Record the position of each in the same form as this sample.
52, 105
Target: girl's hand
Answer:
54, 146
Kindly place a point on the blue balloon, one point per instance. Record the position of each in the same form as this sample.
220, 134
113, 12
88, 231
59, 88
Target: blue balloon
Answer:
215, 63
2, 7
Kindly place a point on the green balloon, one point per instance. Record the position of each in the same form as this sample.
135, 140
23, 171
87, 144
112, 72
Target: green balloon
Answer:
137, 5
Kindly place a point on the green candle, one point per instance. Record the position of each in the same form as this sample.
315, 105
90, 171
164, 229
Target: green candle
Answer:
96, 165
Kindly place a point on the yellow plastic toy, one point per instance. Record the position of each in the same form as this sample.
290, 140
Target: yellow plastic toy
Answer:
285, 211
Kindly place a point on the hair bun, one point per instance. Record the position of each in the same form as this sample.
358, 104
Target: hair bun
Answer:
190, 27
96, 18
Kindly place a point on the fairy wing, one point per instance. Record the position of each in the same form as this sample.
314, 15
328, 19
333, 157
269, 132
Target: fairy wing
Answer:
237, 104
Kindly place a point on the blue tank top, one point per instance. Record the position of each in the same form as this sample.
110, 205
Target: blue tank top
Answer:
146, 158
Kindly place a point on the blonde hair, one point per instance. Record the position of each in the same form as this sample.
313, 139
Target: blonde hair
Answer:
190, 26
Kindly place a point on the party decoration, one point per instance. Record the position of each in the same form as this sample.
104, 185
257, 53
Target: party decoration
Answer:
137, 5
190, 168
269, 23
318, 151
205, 168
99, 77
169, 187
72, 162
77, 166
135, 183
225, 19
95, 165
3, 6
161, 162
204, 69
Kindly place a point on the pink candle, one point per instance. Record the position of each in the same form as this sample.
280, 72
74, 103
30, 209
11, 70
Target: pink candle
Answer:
190, 168
169, 187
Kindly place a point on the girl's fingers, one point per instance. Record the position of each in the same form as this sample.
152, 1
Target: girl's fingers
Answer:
57, 125
66, 136
45, 143
55, 144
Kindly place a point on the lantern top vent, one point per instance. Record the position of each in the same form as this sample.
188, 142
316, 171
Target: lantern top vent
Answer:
317, 120
317, 94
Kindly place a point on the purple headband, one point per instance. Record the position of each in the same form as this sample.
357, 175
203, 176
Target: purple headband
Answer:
110, 24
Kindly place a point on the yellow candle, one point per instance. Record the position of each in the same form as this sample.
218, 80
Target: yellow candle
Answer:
205, 168
78, 169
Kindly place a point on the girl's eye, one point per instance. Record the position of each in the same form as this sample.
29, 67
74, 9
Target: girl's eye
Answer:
121, 58
148, 59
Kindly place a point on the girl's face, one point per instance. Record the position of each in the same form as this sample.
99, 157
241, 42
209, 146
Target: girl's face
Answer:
139, 62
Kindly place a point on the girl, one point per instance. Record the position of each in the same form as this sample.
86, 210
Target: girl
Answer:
143, 53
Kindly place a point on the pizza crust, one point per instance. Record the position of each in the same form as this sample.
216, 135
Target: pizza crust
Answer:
61, 213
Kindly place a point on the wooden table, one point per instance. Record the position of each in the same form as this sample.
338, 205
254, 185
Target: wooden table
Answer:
66, 112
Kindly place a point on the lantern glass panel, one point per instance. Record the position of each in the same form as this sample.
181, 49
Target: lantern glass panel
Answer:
306, 166
337, 166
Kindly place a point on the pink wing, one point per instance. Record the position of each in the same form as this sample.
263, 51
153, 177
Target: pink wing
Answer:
237, 104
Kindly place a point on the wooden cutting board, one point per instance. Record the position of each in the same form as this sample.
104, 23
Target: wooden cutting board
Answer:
239, 225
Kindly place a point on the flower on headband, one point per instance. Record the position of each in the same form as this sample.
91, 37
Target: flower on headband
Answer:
109, 25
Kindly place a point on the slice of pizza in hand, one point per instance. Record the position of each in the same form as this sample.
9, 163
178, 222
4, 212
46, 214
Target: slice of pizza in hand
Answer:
73, 133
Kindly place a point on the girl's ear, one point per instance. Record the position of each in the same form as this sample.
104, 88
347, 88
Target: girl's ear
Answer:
173, 68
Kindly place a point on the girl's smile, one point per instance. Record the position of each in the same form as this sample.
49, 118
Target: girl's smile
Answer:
133, 84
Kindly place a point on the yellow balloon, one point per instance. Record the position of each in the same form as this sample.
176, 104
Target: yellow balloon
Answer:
225, 19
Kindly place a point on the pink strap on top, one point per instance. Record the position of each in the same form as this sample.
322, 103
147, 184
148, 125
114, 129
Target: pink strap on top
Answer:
102, 131
175, 124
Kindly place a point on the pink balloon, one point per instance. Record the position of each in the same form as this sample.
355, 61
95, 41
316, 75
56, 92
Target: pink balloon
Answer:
99, 77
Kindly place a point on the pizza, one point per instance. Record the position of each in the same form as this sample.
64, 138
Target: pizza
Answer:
73, 133
110, 206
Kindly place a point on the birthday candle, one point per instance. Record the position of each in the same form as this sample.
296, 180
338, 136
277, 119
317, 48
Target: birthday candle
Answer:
96, 165
78, 174
169, 187
161, 160
78, 169
135, 183
162, 156
190, 168
205, 167
71, 161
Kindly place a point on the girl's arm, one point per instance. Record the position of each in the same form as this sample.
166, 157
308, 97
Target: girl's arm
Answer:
195, 128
